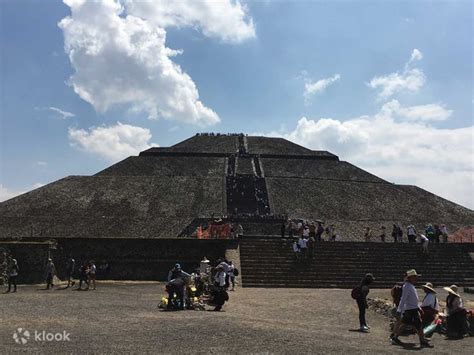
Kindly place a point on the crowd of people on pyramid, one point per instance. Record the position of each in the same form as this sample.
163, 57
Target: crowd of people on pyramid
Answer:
207, 285
306, 234
412, 316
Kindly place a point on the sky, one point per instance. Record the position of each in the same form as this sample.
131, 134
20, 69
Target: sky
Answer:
385, 85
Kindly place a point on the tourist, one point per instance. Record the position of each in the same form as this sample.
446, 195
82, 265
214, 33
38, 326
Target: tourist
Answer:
83, 277
456, 320
396, 293
411, 233
13, 271
296, 250
239, 232
368, 234
283, 230
231, 275
424, 243
383, 234
333, 233
395, 233
204, 266
409, 310
437, 234
360, 295
444, 233
312, 230
70, 271
329, 232
306, 232
176, 272
303, 245
319, 232
311, 246
429, 305
50, 273
176, 287
92, 273
219, 293
429, 232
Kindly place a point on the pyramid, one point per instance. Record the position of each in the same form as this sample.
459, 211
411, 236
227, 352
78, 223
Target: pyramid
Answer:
162, 192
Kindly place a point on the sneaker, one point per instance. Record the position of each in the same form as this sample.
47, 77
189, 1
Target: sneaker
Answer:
425, 344
395, 341
363, 329
367, 326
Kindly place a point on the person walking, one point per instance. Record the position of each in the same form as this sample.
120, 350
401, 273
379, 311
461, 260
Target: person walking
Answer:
50, 273
360, 295
70, 271
92, 274
409, 310
411, 233
429, 305
395, 233
13, 271
83, 277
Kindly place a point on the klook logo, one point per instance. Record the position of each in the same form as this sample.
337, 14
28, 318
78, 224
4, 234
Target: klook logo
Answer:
22, 336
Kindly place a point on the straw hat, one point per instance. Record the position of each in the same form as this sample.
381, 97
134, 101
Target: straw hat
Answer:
412, 272
453, 289
429, 286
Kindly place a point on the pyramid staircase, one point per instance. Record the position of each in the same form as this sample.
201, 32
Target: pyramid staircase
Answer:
270, 262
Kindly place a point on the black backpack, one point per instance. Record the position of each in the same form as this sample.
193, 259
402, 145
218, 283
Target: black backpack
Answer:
356, 292
236, 272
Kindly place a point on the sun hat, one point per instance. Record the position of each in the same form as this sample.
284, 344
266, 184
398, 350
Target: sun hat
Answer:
369, 276
429, 286
453, 289
412, 272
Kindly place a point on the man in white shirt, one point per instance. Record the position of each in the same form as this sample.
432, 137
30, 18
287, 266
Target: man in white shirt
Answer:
303, 244
408, 306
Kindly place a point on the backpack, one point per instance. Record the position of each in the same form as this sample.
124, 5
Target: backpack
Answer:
397, 294
236, 272
356, 292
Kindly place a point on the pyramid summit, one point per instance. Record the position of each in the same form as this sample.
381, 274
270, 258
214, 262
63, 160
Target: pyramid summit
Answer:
162, 191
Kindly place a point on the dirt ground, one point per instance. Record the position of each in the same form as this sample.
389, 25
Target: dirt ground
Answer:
124, 318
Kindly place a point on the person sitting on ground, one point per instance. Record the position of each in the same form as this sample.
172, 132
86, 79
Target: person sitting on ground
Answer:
456, 320
360, 295
13, 271
50, 273
409, 310
430, 304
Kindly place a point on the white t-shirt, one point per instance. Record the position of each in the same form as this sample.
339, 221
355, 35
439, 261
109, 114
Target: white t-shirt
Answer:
220, 278
306, 232
302, 243
295, 247
430, 301
93, 269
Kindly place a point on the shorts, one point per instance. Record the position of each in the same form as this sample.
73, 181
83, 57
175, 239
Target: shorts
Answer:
412, 317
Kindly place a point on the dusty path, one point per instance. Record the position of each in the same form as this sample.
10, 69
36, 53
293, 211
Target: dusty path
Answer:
124, 318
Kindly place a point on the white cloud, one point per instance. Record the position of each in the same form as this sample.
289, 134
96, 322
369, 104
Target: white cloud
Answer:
410, 80
6, 193
64, 114
226, 19
429, 112
120, 57
401, 151
312, 88
113, 142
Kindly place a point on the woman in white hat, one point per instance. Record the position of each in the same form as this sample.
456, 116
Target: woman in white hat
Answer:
430, 304
456, 320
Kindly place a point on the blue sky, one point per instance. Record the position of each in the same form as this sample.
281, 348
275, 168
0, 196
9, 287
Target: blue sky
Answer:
250, 63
